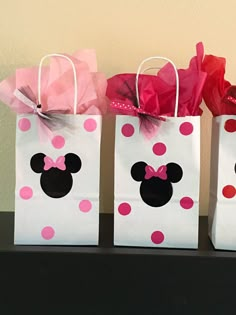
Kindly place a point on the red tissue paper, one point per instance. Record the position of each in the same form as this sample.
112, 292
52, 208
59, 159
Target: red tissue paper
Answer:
218, 93
158, 92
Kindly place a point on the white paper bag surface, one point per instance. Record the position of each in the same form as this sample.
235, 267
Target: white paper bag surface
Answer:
57, 181
222, 209
157, 183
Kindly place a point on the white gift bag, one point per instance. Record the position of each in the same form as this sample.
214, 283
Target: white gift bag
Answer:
157, 181
57, 178
222, 217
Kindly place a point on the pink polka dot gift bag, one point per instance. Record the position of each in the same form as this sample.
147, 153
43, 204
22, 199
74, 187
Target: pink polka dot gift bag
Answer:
220, 97
58, 132
157, 155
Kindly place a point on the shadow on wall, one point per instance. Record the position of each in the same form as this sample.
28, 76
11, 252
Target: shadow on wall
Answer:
107, 164
7, 158
205, 159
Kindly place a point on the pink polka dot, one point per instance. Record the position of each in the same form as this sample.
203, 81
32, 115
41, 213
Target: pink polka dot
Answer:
124, 208
58, 142
159, 148
186, 128
47, 233
24, 124
85, 205
127, 130
26, 192
157, 237
186, 203
90, 124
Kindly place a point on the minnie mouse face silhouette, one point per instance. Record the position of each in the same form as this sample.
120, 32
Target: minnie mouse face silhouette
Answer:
156, 186
56, 179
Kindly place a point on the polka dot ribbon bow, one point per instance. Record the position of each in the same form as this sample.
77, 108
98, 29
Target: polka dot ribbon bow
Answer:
129, 109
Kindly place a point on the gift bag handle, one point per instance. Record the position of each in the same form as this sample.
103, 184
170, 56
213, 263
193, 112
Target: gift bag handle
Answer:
150, 68
176, 77
74, 73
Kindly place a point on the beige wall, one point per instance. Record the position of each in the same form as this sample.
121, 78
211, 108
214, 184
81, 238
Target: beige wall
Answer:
123, 32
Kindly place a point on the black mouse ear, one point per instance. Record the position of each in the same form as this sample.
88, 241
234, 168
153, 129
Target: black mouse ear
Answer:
138, 171
235, 167
73, 162
174, 172
37, 162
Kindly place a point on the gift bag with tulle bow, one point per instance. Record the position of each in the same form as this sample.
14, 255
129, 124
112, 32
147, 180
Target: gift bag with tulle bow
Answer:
57, 150
220, 97
157, 156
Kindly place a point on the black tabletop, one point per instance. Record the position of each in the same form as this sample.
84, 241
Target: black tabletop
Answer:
115, 280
